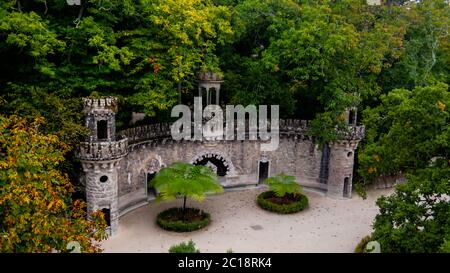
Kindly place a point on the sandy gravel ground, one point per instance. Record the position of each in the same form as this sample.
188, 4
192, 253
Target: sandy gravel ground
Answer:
238, 223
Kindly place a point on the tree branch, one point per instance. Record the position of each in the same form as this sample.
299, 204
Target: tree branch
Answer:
46, 7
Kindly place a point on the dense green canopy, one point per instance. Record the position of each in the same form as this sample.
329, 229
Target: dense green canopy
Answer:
314, 58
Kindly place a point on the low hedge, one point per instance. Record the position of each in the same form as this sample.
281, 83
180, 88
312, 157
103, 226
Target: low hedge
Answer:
297, 206
163, 220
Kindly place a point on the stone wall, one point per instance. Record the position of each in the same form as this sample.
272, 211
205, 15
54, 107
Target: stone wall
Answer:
135, 153
388, 181
116, 166
295, 156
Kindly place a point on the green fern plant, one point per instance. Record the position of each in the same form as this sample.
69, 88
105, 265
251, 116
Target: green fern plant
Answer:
283, 184
186, 180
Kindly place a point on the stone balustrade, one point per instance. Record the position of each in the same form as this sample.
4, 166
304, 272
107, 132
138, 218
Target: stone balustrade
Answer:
286, 127
153, 131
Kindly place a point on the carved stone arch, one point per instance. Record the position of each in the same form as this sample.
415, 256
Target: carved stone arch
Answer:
231, 171
151, 167
154, 164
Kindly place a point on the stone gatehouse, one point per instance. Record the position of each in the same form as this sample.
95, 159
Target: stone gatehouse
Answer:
118, 165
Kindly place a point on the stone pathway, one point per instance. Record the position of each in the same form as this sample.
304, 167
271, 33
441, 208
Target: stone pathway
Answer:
328, 225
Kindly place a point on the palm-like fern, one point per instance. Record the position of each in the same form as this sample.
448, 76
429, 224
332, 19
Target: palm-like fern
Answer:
187, 180
283, 184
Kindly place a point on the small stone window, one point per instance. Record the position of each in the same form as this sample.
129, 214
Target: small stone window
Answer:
349, 154
102, 130
103, 179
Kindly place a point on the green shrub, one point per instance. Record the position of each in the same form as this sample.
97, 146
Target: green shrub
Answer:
184, 248
282, 184
171, 220
297, 206
361, 247
445, 247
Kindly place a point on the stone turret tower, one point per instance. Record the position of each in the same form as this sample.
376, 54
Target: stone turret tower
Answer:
342, 158
100, 155
209, 83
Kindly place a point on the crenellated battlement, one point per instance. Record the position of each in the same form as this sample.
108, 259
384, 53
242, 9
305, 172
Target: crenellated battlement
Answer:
96, 151
354, 133
100, 104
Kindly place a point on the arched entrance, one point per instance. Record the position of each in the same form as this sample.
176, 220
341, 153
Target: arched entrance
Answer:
263, 168
153, 168
347, 187
107, 214
217, 161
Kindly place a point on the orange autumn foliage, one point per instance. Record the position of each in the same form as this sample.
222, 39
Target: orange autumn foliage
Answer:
36, 210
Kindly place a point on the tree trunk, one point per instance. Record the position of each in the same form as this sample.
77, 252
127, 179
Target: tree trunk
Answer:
183, 212
179, 92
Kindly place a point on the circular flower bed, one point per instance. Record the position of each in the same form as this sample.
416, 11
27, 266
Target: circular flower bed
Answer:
172, 219
287, 204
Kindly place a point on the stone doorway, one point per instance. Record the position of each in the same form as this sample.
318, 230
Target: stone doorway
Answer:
151, 192
107, 214
263, 171
347, 187
153, 167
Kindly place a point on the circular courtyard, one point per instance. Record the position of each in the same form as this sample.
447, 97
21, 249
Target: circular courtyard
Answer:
327, 225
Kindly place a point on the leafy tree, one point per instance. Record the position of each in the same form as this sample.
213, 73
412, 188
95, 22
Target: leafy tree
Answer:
36, 210
406, 131
64, 116
187, 180
314, 58
283, 185
417, 217
426, 46
445, 248
146, 52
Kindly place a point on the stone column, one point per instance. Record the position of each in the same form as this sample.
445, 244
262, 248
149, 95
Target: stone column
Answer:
217, 95
340, 172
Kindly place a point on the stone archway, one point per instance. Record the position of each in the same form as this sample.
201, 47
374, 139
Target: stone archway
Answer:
217, 160
153, 166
